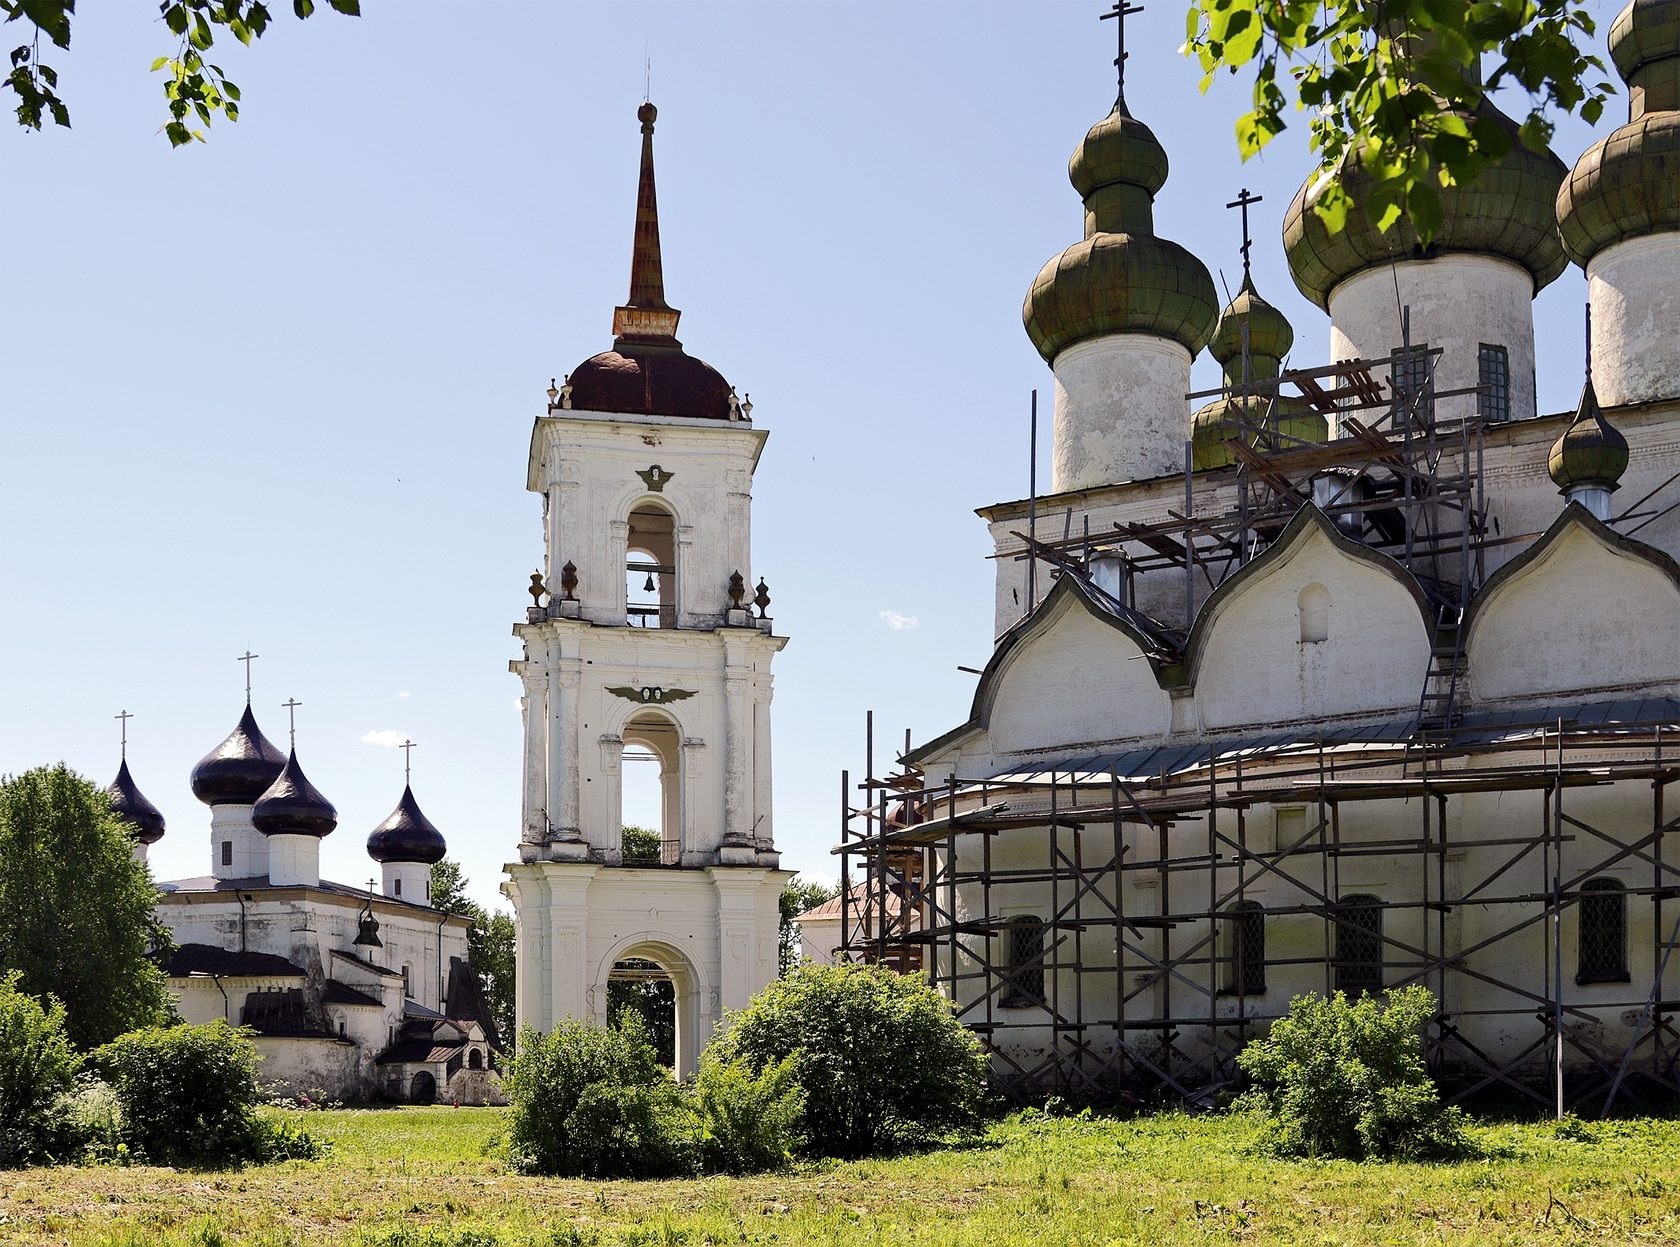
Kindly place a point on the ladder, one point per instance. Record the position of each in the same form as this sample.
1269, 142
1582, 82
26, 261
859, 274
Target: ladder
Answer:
1437, 709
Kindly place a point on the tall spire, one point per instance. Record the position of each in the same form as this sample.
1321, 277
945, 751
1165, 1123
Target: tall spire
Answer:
646, 315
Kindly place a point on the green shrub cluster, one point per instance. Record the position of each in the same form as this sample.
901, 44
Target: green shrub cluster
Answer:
1346, 1078
841, 1061
592, 1101
38, 1067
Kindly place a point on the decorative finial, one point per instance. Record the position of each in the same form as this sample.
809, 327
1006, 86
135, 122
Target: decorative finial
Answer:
734, 404
1120, 12
291, 706
1243, 200
746, 407
407, 747
537, 588
568, 581
737, 590
553, 394
125, 716
247, 658
566, 392
762, 600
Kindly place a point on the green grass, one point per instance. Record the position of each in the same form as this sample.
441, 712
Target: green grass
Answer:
422, 1178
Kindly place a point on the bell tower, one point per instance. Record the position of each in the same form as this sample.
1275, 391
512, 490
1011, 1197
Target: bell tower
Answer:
648, 639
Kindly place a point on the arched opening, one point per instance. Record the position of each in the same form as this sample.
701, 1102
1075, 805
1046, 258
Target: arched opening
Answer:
1023, 948
1359, 950
641, 988
1314, 607
1245, 950
650, 568
475, 1059
422, 1089
650, 791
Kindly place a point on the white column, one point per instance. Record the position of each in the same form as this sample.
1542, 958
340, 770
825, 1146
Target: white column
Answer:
764, 832
534, 705
740, 926
408, 881
294, 860
248, 856
1635, 307
1121, 414
737, 762
563, 777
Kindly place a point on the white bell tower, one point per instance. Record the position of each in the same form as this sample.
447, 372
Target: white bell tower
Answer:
648, 632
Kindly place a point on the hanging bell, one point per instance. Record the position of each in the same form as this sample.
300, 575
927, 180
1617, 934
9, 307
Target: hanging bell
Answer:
649, 586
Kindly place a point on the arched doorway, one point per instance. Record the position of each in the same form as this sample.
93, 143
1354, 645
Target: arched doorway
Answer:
650, 790
422, 1088
659, 982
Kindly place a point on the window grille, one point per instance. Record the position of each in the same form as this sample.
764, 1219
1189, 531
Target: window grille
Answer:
1025, 945
227, 852
1408, 374
1495, 378
1359, 945
1602, 940
1245, 936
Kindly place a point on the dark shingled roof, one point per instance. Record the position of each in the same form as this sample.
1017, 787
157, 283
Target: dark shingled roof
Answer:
191, 959
129, 804
407, 836
337, 993
293, 806
240, 769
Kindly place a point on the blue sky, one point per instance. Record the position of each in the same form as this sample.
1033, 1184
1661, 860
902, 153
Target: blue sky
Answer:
276, 391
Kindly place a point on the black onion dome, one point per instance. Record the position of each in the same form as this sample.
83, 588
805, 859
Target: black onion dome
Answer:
407, 836
293, 806
240, 769
649, 380
129, 804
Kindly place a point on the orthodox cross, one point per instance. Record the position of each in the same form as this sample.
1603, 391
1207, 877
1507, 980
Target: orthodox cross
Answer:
125, 716
246, 658
1120, 12
1589, 341
407, 747
1242, 201
291, 706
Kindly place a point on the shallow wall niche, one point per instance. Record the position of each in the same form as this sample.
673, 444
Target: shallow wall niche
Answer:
1313, 606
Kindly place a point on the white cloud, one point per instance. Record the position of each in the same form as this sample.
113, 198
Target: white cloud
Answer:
898, 622
404, 695
387, 737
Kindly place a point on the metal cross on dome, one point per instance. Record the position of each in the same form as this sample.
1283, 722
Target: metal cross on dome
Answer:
1243, 200
1120, 12
247, 657
291, 706
407, 746
125, 716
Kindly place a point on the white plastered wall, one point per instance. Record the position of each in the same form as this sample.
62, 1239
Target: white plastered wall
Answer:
1583, 618
1457, 303
1635, 301
1120, 408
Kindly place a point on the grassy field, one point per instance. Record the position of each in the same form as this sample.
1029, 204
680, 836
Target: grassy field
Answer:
421, 1178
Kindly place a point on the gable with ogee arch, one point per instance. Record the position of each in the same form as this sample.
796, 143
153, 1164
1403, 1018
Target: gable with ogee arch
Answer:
1582, 610
1319, 627
1074, 676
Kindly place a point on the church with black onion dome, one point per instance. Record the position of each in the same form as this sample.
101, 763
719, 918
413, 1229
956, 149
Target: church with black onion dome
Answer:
355, 993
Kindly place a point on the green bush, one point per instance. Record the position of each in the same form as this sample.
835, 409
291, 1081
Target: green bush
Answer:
882, 1060
1341, 1078
752, 1121
93, 1120
188, 1094
624, 1131
37, 1069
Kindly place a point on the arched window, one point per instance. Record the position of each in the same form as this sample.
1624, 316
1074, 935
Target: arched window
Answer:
475, 1059
1023, 948
650, 792
650, 568
1359, 952
1314, 607
1245, 950
1601, 944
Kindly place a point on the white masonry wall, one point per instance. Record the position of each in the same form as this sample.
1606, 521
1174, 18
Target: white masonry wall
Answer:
1120, 410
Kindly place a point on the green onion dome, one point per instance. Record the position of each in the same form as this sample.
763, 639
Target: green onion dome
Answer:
1590, 451
1269, 339
1507, 211
1120, 278
1628, 183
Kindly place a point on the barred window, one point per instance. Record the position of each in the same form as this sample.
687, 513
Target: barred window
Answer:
1245, 950
1024, 944
1601, 950
227, 852
1359, 945
1408, 374
1495, 379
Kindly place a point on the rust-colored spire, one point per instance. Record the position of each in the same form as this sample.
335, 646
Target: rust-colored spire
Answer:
646, 316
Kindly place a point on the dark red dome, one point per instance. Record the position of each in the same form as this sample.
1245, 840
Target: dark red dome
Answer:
407, 836
240, 769
293, 806
650, 381
128, 803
